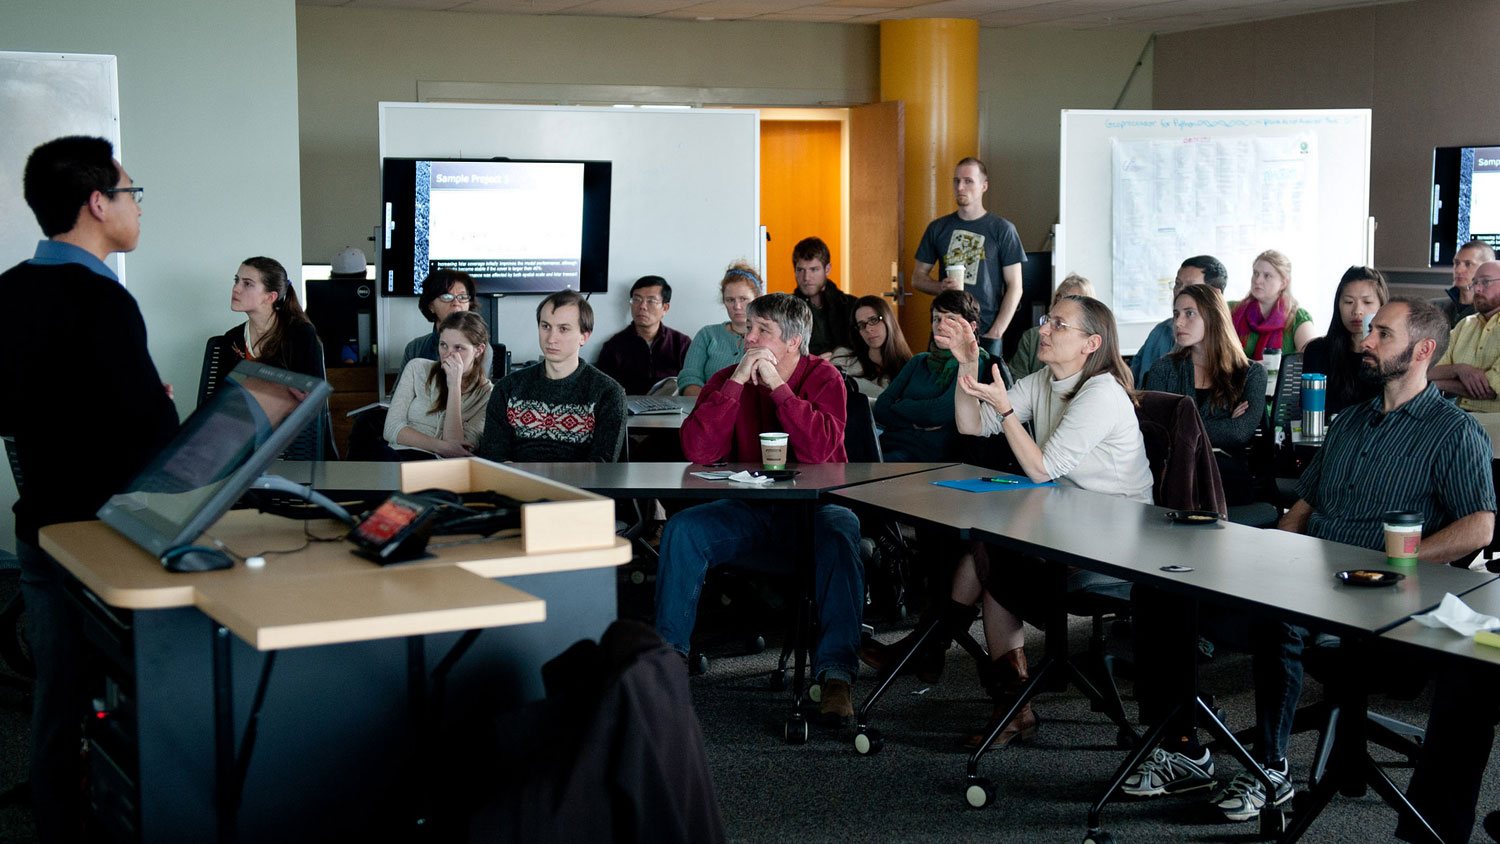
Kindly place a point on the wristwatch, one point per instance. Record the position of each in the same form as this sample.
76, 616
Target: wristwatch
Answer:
1007, 413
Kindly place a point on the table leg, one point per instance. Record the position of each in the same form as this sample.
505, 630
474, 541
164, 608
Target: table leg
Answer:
796, 723
224, 762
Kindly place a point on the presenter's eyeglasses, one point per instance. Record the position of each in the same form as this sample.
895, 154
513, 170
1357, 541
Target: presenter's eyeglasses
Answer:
136, 193
1057, 324
869, 323
450, 298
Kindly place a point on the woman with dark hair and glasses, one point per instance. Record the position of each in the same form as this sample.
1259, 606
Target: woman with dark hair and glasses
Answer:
275, 332
1360, 294
444, 292
880, 349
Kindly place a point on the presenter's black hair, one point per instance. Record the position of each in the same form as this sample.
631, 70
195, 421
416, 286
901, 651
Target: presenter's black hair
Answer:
62, 175
439, 282
654, 281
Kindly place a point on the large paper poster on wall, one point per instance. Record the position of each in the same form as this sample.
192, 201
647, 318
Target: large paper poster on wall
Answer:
1231, 197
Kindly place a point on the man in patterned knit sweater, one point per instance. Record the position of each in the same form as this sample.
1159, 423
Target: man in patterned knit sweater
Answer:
561, 410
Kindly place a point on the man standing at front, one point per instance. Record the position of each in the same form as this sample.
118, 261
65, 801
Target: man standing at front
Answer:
1459, 301
83, 428
1470, 368
832, 309
646, 351
559, 410
985, 245
776, 387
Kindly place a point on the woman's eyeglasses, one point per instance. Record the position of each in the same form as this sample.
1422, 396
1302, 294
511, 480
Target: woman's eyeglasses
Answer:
873, 321
1057, 324
449, 298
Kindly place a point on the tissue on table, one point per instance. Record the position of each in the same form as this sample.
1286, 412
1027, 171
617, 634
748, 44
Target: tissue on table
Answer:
746, 478
1456, 615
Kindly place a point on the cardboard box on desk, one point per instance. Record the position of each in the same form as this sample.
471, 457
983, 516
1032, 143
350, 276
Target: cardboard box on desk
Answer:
569, 519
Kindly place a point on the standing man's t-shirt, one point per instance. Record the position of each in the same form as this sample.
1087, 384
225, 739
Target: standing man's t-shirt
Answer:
983, 247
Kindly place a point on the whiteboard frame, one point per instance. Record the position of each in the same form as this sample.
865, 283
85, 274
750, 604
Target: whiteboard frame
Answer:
1314, 279
689, 247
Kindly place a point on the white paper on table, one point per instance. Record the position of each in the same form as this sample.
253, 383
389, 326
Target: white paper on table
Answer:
745, 477
1457, 616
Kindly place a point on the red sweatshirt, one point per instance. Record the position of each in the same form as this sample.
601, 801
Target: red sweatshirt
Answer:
729, 418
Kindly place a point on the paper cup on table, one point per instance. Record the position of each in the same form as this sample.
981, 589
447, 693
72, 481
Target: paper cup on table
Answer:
1403, 537
955, 272
773, 447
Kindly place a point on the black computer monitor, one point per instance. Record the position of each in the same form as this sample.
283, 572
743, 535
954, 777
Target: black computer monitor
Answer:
218, 453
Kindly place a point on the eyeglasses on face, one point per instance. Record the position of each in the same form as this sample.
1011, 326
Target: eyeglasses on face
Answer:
873, 321
1057, 324
1484, 282
450, 298
136, 193
653, 301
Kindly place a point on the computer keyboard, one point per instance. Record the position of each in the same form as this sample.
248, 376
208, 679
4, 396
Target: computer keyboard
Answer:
645, 405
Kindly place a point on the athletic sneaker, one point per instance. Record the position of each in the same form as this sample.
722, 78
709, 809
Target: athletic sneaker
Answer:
1165, 772
1244, 797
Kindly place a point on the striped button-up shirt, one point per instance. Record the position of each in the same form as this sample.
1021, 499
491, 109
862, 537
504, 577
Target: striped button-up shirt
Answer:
1425, 456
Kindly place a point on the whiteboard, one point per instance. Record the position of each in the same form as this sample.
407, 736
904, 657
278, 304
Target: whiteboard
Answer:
1233, 208
45, 96
685, 201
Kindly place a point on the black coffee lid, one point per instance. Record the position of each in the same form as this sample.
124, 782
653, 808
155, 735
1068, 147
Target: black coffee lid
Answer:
1402, 517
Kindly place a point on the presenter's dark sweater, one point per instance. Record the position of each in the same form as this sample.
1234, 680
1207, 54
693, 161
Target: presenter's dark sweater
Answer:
81, 395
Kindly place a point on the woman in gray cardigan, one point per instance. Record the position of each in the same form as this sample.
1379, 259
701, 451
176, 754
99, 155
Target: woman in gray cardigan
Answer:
1210, 367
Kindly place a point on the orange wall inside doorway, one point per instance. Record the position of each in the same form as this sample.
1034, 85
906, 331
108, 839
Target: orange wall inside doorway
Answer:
800, 193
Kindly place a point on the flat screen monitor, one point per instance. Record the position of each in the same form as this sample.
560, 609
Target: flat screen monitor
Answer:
1465, 199
515, 226
217, 454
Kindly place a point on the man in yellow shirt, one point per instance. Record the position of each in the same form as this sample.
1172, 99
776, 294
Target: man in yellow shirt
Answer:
1470, 369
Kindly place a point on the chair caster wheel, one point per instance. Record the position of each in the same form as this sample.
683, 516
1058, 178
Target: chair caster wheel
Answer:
1124, 739
755, 645
868, 741
1272, 822
776, 680
1098, 836
901, 611
979, 792
796, 730
638, 577
697, 664
815, 692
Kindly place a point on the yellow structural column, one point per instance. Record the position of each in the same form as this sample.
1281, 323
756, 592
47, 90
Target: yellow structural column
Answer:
931, 64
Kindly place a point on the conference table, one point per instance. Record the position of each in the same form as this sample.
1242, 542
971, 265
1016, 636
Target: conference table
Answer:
342, 738
1276, 574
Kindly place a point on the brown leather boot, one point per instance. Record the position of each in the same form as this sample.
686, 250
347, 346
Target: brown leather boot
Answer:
1007, 675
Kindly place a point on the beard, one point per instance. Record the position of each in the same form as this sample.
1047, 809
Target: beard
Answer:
1386, 371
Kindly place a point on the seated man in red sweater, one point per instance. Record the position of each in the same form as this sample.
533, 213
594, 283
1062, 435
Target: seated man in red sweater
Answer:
776, 386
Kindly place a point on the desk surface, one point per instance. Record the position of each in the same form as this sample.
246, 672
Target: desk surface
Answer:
915, 497
1287, 573
1485, 599
675, 480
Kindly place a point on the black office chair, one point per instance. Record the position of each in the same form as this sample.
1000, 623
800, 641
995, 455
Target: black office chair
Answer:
315, 442
1286, 412
14, 649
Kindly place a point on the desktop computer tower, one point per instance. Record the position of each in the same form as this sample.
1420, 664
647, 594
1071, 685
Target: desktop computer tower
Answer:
343, 310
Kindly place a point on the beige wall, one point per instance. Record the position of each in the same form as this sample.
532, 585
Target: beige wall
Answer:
1409, 62
350, 59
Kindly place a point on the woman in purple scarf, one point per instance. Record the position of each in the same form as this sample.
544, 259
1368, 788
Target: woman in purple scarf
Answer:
1269, 317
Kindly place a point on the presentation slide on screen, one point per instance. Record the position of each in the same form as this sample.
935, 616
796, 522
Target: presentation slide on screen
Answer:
1484, 195
505, 220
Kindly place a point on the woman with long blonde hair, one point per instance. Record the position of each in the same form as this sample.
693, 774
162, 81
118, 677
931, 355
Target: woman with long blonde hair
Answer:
1269, 317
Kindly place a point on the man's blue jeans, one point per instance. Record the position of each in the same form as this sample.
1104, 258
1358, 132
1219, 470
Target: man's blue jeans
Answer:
1276, 664
760, 536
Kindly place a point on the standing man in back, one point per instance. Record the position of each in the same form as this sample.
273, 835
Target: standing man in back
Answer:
87, 410
985, 245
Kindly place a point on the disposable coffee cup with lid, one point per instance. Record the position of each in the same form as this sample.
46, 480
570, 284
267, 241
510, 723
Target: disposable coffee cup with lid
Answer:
1403, 537
773, 449
955, 272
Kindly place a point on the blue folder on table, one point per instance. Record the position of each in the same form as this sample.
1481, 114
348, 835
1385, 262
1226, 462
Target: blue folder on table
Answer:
999, 482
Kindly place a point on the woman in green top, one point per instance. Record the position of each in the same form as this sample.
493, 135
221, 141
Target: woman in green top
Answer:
1270, 311
721, 344
1024, 361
